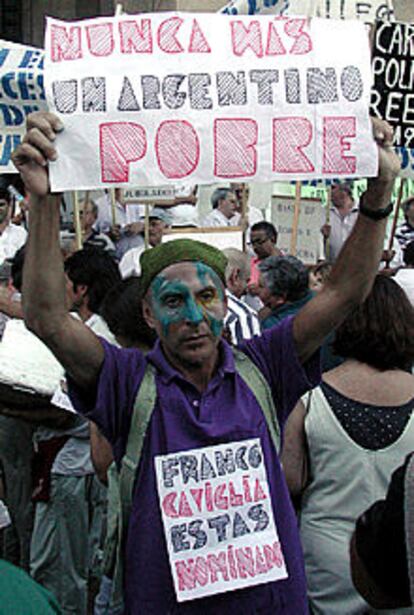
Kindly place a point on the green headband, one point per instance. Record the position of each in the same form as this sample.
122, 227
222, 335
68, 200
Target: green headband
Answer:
177, 251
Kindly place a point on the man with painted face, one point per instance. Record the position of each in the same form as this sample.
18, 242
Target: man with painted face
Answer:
201, 400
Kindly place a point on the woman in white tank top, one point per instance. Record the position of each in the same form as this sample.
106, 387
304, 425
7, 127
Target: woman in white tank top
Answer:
344, 441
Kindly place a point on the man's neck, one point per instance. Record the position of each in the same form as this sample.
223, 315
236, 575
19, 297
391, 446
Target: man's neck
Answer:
3, 226
345, 209
198, 374
84, 313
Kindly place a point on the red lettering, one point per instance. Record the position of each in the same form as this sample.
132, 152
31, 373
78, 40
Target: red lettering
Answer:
65, 43
259, 494
100, 39
303, 42
274, 46
261, 566
336, 131
201, 571
273, 555
209, 497
184, 509
198, 41
168, 505
245, 562
235, 143
232, 563
290, 136
220, 501
186, 574
167, 35
177, 148
120, 144
246, 489
243, 38
135, 38
217, 563
197, 496
236, 499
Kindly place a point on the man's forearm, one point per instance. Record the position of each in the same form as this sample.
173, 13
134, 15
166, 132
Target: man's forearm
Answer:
44, 295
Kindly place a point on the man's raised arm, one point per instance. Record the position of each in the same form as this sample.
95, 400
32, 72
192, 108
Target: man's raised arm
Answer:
44, 286
359, 259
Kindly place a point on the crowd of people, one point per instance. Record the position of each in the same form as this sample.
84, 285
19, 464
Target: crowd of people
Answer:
137, 352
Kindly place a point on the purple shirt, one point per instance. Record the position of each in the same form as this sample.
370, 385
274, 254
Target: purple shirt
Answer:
184, 419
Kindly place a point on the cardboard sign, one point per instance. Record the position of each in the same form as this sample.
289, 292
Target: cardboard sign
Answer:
218, 519
21, 93
147, 100
220, 238
309, 239
393, 68
148, 194
367, 10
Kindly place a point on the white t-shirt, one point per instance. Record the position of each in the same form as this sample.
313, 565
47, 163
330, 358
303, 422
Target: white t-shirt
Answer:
12, 238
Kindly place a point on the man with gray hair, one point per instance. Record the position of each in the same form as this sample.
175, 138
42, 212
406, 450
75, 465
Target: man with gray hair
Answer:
241, 320
224, 202
283, 288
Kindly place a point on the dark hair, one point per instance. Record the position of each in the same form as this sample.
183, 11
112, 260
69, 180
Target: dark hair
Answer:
267, 227
122, 311
5, 195
380, 331
407, 204
409, 254
220, 194
97, 270
285, 276
17, 268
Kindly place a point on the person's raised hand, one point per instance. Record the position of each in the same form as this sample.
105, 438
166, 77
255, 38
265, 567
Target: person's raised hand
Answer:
36, 150
389, 163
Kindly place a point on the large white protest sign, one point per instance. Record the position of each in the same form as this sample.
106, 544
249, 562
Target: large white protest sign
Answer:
149, 100
21, 93
309, 245
366, 10
218, 519
219, 238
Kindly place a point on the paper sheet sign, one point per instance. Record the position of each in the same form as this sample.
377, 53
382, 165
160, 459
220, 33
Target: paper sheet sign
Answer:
21, 93
218, 519
168, 98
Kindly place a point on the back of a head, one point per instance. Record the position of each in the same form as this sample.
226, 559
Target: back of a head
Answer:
97, 270
17, 268
219, 194
236, 259
409, 254
380, 331
267, 227
285, 276
122, 311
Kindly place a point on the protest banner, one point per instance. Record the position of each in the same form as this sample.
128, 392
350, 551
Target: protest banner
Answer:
309, 243
368, 10
292, 100
219, 237
393, 68
392, 98
218, 519
21, 93
150, 194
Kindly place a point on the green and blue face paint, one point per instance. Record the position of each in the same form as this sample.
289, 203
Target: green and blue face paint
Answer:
174, 301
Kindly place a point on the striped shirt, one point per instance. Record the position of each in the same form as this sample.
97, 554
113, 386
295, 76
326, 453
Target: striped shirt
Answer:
241, 320
405, 234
